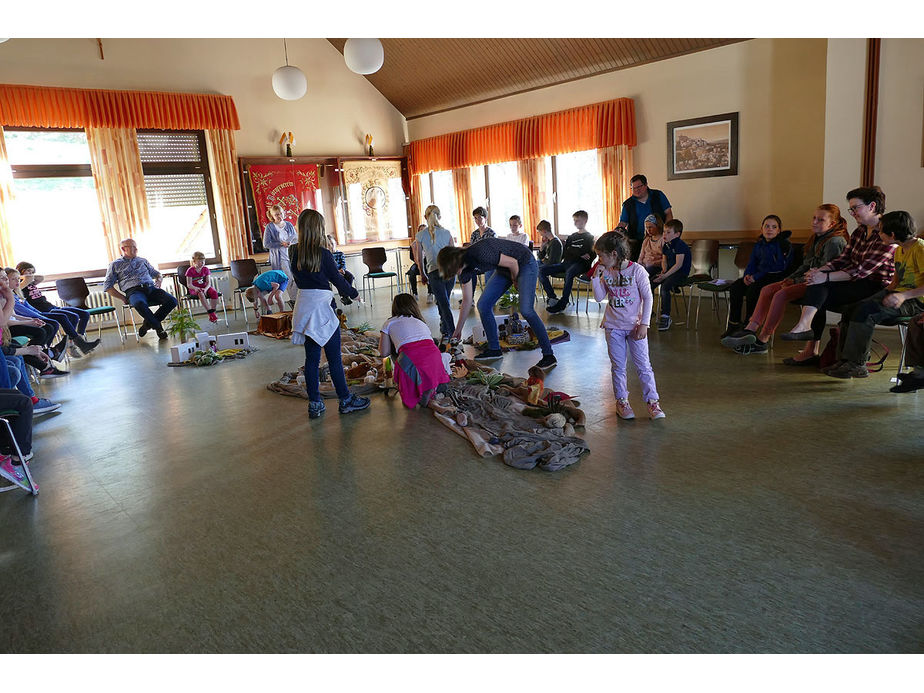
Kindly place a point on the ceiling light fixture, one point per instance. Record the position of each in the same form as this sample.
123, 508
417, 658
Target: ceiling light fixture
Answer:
289, 82
364, 55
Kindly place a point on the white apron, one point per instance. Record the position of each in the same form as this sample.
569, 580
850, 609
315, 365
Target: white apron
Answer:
313, 317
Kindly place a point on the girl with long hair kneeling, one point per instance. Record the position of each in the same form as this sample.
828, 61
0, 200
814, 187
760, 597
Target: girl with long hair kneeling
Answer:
419, 369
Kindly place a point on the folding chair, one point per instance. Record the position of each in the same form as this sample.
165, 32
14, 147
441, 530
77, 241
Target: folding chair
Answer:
26, 484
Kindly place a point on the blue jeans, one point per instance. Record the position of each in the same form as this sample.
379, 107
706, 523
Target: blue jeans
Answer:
441, 291
667, 287
334, 360
571, 270
18, 375
72, 320
141, 298
495, 287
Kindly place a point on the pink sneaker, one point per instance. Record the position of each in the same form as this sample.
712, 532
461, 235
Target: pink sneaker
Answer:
654, 410
8, 472
213, 317
624, 409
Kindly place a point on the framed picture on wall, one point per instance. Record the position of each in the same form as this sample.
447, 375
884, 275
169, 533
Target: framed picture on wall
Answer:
703, 147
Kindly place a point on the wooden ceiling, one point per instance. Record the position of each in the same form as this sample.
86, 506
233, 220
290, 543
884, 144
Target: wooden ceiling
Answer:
426, 76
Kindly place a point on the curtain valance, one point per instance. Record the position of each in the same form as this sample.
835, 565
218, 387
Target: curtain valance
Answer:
62, 107
596, 126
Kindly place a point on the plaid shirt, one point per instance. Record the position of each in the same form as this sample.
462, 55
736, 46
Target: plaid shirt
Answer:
866, 256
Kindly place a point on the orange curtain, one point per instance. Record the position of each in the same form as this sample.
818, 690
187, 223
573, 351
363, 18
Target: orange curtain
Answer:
60, 107
6, 200
227, 189
614, 165
117, 173
606, 124
462, 184
533, 186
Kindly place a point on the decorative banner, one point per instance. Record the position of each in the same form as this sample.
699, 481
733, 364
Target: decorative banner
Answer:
373, 222
290, 185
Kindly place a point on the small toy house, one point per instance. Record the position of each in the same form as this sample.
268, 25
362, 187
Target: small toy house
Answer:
181, 352
236, 340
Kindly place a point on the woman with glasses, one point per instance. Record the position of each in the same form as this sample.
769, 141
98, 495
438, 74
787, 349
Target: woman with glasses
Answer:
864, 268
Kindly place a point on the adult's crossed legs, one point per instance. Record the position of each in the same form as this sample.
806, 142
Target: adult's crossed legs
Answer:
152, 296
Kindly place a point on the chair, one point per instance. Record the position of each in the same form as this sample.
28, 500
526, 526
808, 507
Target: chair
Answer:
374, 259
742, 257
28, 484
582, 284
189, 298
902, 324
74, 292
244, 272
705, 260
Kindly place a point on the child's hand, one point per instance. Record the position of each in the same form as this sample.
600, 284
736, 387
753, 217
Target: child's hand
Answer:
640, 332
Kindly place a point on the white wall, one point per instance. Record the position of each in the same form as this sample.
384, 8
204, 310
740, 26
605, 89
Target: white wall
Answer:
339, 108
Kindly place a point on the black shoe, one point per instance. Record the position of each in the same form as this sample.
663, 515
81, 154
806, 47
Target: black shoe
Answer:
57, 351
346, 300
740, 338
557, 307
547, 362
908, 382
810, 361
52, 372
161, 335
731, 329
86, 347
805, 336
489, 355
143, 330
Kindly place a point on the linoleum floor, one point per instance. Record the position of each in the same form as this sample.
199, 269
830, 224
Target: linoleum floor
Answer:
192, 510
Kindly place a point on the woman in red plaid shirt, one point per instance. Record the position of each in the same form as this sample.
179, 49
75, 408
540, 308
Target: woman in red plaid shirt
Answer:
864, 268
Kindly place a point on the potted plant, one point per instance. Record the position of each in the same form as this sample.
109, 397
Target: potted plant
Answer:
181, 324
510, 300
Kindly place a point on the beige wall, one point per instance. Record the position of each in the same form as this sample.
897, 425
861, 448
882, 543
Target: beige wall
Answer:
901, 121
844, 118
778, 88
332, 118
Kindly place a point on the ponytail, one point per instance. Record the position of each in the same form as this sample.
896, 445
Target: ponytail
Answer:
432, 216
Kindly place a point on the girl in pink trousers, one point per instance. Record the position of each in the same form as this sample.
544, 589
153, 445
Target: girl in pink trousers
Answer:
627, 289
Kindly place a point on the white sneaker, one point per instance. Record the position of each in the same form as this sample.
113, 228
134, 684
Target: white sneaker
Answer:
654, 410
624, 409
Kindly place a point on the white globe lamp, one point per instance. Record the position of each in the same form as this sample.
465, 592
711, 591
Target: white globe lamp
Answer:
289, 83
364, 55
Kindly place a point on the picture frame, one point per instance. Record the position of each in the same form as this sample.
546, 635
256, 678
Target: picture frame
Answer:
703, 147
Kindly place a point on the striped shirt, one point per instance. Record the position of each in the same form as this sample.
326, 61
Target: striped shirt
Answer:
866, 256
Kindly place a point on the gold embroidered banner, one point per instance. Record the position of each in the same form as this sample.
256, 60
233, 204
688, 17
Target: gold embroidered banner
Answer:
370, 187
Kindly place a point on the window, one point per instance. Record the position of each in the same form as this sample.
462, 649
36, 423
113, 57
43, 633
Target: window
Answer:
55, 219
179, 193
578, 186
444, 197
504, 195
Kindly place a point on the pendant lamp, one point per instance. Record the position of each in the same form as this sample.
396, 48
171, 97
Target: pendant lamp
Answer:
364, 55
289, 82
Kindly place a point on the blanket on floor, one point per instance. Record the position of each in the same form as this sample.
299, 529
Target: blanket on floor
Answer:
498, 421
360, 357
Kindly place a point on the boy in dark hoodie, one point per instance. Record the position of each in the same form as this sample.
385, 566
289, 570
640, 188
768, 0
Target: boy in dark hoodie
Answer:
768, 263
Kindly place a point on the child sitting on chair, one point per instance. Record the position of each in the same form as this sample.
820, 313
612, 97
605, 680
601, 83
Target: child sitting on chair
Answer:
419, 369
676, 261
267, 287
197, 283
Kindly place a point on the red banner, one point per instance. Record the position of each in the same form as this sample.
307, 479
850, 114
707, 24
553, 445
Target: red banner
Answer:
291, 185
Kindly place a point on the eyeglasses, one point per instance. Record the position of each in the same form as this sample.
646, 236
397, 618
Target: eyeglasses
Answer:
853, 210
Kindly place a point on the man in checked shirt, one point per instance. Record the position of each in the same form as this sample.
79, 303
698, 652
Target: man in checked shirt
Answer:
141, 284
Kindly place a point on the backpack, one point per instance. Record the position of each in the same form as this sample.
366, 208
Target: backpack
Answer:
829, 355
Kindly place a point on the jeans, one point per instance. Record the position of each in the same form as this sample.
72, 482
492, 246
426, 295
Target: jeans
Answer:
18, 377
571, 270
495, 287
142, 297
667, 287
73, 320
442, 290
334, 360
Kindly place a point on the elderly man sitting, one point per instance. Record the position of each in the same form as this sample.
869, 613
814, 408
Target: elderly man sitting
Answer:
141, 284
